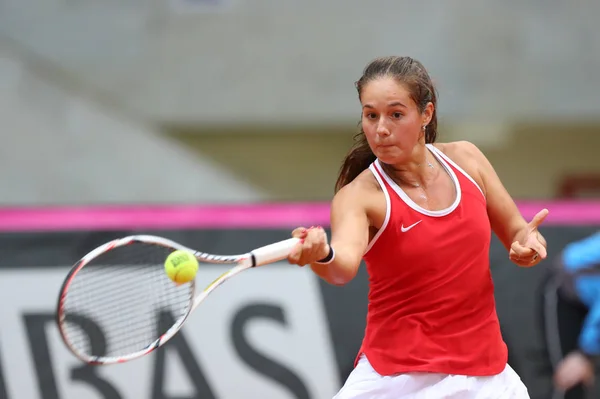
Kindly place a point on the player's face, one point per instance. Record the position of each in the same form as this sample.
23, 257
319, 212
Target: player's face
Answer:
391, 120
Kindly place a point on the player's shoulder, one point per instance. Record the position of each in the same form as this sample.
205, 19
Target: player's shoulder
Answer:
459, 150
364, 182
468, 157
359, 189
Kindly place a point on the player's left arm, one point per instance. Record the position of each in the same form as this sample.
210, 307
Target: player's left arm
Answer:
527, 247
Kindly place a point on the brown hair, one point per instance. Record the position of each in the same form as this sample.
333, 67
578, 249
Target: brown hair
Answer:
413, 75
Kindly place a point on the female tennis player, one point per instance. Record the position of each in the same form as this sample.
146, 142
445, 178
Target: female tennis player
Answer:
420, 215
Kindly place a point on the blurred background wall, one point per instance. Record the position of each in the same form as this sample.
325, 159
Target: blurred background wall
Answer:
195, 88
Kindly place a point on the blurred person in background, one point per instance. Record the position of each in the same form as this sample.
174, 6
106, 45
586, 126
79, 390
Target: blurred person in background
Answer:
572, 317
421, 216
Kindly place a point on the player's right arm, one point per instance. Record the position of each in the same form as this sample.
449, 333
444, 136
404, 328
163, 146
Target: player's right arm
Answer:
349, 238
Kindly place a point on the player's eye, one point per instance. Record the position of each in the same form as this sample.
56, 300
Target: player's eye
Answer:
397, 115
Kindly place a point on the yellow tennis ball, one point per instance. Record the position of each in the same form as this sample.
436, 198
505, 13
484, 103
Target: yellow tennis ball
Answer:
181, 266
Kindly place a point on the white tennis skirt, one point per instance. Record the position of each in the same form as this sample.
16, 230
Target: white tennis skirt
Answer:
364, 382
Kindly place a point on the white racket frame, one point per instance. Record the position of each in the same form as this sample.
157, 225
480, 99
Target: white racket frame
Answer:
258, 257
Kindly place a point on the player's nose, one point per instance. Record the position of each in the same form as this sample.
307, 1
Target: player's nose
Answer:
382, 128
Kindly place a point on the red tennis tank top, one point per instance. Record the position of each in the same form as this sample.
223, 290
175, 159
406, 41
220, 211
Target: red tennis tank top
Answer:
431, 297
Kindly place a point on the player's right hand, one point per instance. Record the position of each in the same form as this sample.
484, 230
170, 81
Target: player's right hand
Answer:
313, 246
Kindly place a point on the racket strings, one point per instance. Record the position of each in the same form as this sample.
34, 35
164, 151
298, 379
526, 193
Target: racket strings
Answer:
113, 305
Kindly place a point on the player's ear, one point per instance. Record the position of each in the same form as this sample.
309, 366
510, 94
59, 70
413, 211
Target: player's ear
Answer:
427, 114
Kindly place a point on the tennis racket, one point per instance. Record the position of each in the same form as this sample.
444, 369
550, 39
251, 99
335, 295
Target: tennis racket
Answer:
117, 304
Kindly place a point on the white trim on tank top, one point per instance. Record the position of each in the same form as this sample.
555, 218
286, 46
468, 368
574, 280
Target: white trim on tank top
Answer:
451, 162
388, 207
408, 201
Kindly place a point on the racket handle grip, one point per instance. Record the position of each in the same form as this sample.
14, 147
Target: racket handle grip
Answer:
274, 252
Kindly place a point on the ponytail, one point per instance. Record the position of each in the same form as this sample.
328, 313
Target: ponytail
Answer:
356, 161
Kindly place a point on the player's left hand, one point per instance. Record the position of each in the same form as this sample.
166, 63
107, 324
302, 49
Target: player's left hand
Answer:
530, 247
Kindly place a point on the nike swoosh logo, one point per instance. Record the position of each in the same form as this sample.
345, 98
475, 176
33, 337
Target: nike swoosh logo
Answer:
405, 229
